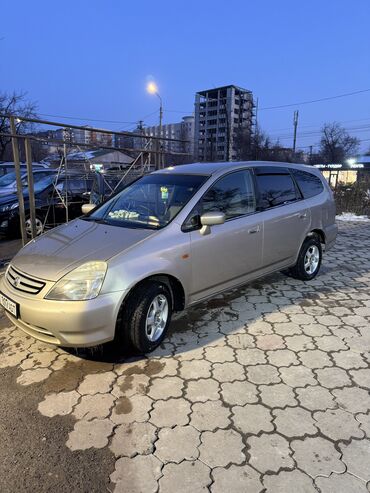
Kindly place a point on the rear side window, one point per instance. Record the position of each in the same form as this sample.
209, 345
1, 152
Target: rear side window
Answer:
309, 184
275, 188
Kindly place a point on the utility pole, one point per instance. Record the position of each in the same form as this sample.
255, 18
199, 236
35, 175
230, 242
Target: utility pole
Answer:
295, 124
310, 155
153, 89
160, 131
66, 138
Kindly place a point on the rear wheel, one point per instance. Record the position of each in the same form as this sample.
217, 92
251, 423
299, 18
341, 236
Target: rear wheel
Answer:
309, 260
145, 317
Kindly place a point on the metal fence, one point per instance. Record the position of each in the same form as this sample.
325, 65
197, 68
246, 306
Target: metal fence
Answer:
146, 153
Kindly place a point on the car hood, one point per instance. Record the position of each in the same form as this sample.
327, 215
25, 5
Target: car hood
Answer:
7, 197
64, 248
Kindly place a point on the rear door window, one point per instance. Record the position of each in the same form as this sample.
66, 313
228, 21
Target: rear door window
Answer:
309, 184
275, 186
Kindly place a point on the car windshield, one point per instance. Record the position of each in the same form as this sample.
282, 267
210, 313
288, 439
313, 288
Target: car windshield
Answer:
151, 202
42, 183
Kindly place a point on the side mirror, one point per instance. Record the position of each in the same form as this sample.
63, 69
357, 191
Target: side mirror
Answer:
211, 219
86, 208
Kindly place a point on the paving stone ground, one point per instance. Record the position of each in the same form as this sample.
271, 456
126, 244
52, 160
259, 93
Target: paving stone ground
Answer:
262, 389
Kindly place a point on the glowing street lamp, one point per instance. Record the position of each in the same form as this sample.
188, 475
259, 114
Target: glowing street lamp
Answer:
152, 88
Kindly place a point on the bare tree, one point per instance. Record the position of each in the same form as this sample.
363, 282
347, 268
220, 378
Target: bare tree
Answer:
336, 144
14, 104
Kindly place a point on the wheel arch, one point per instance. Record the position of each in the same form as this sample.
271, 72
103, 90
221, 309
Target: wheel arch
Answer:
173, 284
320, 233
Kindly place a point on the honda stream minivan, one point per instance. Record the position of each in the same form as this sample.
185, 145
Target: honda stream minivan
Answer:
167, 241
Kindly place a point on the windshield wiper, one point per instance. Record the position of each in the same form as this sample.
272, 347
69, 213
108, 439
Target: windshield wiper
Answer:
93, 219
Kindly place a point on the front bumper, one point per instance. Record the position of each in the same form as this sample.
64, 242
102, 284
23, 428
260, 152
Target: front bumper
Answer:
66, 323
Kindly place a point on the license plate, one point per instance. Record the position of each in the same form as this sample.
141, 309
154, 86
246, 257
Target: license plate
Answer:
9, 305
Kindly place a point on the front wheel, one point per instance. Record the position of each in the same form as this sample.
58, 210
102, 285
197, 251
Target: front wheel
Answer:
309, 260
145, 317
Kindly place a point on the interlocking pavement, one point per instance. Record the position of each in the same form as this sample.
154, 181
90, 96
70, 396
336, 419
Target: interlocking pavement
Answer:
262, 389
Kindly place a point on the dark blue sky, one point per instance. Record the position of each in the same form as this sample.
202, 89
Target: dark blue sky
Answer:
91, 59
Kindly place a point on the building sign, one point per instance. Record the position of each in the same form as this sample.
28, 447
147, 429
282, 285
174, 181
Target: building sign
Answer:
344, 167
97, 167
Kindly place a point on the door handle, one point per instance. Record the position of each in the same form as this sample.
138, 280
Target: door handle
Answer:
254, 230
303, 215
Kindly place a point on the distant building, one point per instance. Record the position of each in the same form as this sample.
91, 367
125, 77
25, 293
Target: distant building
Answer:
91, 159
221, 116
130, 141
83, 136
183, 130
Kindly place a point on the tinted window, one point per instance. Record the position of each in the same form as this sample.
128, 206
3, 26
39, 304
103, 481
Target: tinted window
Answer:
233, 195
74, 185
309, 184
275, 189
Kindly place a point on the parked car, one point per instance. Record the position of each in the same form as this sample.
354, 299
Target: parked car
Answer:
52, 199
9, 167
169, 240
8, 182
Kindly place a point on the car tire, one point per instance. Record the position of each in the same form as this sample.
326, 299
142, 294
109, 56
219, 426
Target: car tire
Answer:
309, 260
144, 318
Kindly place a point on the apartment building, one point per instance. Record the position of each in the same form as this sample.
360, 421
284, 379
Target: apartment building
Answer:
83, 136
183, 130
222, 115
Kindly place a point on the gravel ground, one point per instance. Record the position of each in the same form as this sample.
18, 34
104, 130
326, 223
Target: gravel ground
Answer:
263, 389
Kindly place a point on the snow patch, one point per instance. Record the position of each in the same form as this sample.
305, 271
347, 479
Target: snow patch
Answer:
349, 216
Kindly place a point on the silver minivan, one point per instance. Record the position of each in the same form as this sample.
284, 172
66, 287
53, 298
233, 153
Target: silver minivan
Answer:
167, 241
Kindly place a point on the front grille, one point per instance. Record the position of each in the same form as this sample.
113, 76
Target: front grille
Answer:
22, 282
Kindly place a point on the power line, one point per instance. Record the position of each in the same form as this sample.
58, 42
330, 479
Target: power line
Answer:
84, 119
80, 118
177, 111
317, 125
184, 112
143, 119
315, 100
312, 133
328, 98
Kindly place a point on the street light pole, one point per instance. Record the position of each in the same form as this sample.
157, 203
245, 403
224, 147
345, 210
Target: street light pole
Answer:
160, 130
153, 89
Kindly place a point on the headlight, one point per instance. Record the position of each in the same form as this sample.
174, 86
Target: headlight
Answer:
9, 207
83, 283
